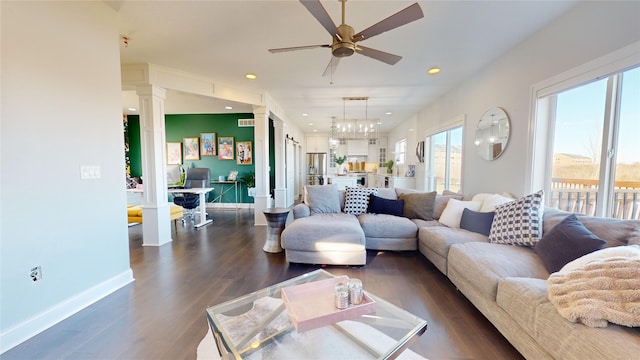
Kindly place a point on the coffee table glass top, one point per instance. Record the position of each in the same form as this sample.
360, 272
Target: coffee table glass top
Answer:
257, 326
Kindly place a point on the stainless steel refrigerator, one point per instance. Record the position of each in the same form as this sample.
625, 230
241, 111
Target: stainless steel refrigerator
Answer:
316, 168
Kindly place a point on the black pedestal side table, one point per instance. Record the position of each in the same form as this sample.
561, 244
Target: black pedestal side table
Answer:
276, 219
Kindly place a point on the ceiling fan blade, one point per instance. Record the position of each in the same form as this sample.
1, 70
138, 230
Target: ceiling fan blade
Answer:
278, 50
385, 57
402, 17
320, 13
331, 67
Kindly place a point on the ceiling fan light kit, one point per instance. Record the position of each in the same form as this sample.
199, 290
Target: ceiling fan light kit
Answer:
344, 41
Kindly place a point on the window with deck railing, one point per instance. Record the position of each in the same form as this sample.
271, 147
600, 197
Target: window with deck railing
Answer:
443, 160
594, 146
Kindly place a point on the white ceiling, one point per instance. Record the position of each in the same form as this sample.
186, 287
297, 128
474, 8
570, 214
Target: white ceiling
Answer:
224, 40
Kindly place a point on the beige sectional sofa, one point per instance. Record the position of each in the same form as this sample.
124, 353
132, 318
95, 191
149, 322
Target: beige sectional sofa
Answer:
508, 284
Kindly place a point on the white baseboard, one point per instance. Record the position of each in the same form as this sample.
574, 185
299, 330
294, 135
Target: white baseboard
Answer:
33, 326
229, 206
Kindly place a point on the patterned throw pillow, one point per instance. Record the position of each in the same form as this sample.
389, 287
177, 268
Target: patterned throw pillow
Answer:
518, 222
357, 199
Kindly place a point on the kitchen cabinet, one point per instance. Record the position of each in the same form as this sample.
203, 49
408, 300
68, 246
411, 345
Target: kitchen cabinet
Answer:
402, 182
343, 181
358, 147
388, 181
319, 144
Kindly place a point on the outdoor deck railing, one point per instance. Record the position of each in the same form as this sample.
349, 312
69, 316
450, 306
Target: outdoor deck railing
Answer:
580, 196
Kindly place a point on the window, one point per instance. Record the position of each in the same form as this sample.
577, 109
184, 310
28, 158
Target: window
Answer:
401, 151
443, 160
594, 145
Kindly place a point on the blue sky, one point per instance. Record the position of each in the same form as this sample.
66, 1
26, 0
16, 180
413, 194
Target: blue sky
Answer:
580, 119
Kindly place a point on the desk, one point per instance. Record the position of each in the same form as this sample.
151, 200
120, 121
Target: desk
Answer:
224, 191
203, 203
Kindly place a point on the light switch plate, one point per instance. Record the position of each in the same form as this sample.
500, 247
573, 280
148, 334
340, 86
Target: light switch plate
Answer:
89, 172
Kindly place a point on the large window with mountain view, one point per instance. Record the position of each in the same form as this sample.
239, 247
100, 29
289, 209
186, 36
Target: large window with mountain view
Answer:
595, 150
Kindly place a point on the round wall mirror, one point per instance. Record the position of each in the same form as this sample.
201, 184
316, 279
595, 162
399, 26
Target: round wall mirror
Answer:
492, 134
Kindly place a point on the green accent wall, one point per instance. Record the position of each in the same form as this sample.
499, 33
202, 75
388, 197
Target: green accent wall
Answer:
178, 127
135, 152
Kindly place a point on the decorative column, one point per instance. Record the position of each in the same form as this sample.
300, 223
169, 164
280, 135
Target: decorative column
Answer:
280, 191
261, 157
156, 225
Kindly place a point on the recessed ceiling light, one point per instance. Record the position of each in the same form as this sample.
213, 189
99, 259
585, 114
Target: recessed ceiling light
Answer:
315, 130
305, 114
388, 113
434, 70
228, 107
310, 124
250, 76
132, 109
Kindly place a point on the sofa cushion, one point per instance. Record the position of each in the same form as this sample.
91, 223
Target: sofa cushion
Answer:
616, 232
323, 199
314, 233
490, 203
387, 193
518, 222
440, 238
484, 265
453, 212
441, 203
478, 222
379, 205
520, 297
356, 200
387, 226
525, 300
419, 205
565, 242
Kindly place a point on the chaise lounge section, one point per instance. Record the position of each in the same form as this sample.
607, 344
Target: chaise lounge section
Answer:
333, 227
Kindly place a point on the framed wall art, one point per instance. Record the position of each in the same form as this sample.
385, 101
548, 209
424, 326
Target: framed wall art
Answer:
208, 144
225, 148
174, 153
191, 148
244, 153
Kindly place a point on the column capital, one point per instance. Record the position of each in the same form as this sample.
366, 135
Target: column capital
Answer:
151, 90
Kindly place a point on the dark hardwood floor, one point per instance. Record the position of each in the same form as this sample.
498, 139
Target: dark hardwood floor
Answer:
162, 314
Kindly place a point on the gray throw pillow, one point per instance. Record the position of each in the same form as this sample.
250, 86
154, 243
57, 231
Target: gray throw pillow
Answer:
565, 242
323, 199
418, 205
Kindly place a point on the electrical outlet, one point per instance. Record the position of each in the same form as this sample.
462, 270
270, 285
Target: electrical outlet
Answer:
36, 273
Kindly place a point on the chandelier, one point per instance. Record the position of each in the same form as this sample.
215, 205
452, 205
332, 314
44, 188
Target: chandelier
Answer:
355, 128
333, 140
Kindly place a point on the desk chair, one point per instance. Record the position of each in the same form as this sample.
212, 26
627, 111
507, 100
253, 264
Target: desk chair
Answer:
196, 178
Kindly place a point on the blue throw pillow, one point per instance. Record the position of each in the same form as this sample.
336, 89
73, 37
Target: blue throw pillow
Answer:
478, 222
565, 242
378, 205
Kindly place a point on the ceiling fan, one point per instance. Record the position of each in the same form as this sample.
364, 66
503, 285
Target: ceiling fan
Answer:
345, 41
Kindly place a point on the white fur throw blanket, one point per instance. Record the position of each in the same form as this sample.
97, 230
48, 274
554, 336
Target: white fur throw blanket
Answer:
601, 291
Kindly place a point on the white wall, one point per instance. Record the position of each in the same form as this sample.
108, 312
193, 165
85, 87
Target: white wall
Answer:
590, 30
61, 109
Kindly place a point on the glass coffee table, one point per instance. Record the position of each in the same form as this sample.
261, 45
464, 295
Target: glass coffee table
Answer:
258, 326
